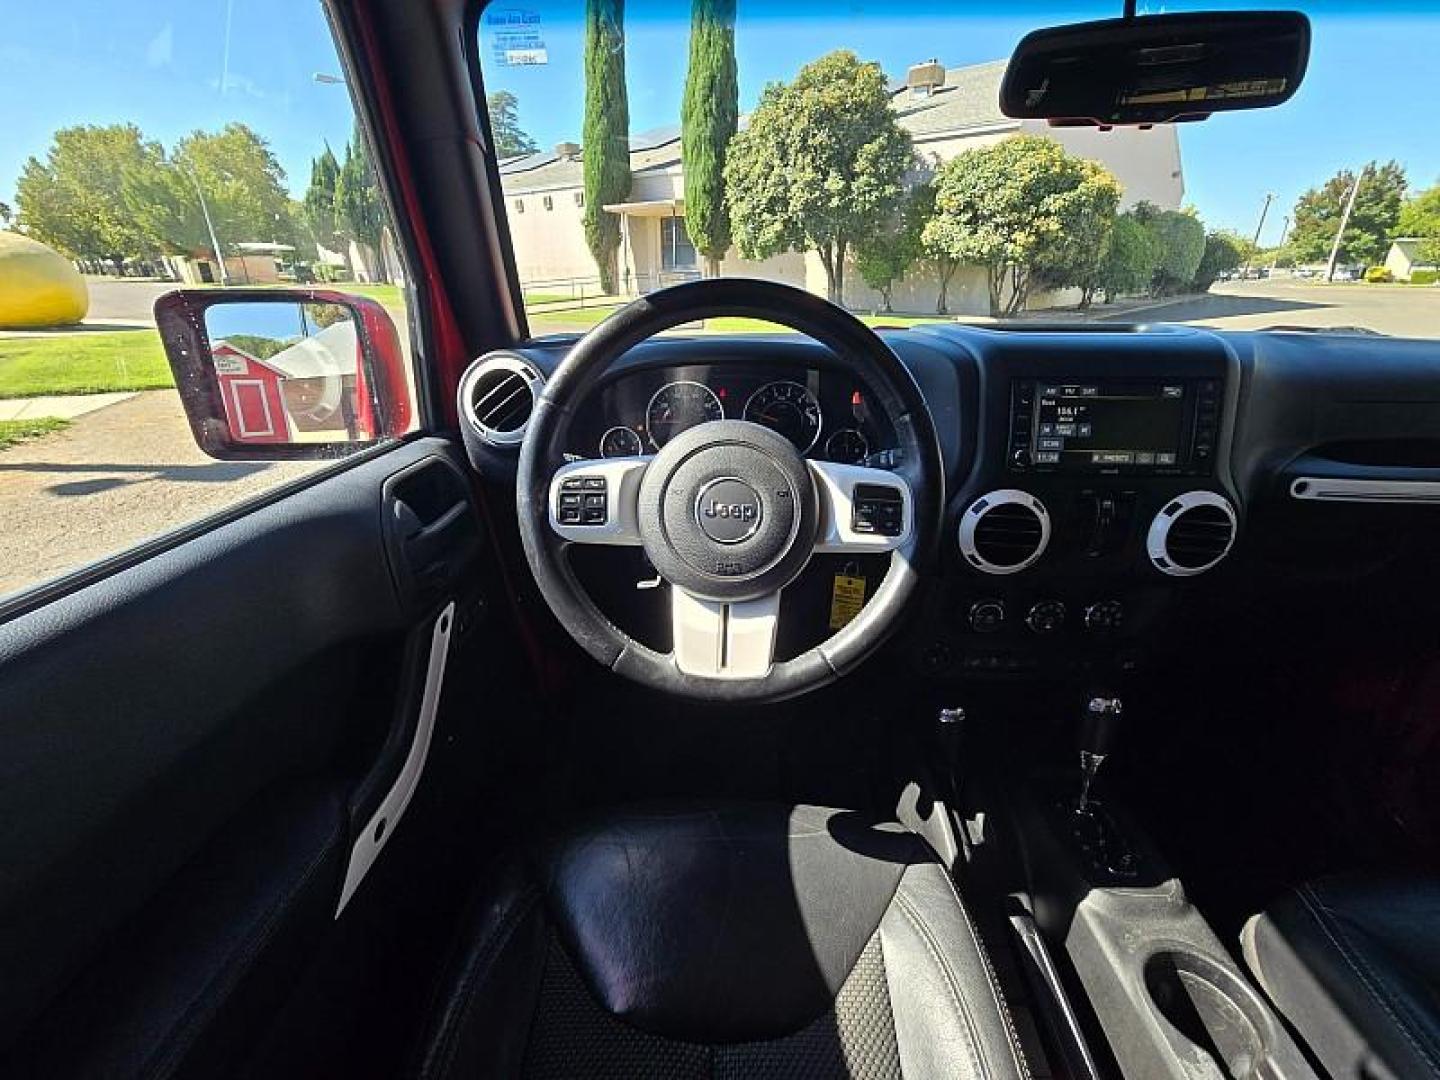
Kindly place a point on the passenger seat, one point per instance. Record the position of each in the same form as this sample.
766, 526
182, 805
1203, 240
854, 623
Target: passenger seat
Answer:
1354, 965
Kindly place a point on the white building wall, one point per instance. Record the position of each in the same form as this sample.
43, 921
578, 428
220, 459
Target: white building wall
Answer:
549, 244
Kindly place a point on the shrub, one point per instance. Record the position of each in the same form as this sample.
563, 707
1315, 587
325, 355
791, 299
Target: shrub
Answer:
1378, 275
1223, 253
1424, 277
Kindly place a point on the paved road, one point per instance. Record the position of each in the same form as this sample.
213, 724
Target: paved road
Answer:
1397, 310
119, 299
118, 476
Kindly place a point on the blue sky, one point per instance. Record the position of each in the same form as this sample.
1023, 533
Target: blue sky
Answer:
172, 66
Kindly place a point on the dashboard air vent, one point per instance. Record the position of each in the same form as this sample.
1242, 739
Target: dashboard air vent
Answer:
1004, 532
1191, 533
497, 395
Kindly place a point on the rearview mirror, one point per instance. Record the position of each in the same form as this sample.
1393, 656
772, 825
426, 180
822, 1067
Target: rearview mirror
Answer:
284, 373
1157, 69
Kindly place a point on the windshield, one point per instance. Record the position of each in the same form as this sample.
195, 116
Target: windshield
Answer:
860, 153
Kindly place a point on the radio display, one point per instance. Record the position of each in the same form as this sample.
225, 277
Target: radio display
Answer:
1109, 424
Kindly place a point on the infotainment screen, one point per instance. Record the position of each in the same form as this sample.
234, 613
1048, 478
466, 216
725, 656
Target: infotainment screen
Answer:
1166, 425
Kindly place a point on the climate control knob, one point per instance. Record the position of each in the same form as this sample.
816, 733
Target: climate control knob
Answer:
1105, 615
1046, 617
987, 616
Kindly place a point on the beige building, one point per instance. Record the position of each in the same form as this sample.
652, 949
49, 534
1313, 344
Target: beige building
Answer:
1403, 258
945, 112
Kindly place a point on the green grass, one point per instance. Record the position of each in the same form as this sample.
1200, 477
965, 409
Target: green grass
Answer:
546, 297
18, 431
551, 322
82, 363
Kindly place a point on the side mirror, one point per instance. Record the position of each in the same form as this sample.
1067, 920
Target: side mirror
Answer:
1157, 69
270, 374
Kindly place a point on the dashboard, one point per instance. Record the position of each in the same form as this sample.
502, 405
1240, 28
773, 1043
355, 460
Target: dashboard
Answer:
825, 413
1100, 480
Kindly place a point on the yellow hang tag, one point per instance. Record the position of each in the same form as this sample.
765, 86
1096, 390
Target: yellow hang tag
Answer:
846, 599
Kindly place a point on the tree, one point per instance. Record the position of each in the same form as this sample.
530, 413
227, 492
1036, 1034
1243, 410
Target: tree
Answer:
1420, 217
1179, 239
709, 116
510, 139
242, 184
885, 256
6, 214
922, 208
75, 200
820, 165
606, 132
357, 201
1224, 251
1020, 206
1372, 222
1078, 262
1128, 266
319, 210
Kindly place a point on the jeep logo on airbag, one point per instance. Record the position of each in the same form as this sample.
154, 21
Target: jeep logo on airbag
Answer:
728, 510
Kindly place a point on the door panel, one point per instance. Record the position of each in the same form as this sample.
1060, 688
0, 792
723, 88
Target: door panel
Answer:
184, 749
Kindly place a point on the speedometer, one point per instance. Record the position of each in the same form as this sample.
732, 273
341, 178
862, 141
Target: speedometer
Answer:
788, 408
677, 406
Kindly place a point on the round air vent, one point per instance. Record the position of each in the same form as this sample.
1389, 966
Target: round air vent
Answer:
1004, 532
497, 395
1191, 533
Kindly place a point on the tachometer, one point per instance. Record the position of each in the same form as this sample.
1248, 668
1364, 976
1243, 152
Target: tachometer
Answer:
621, 442
847, 446
677, 406
788, 408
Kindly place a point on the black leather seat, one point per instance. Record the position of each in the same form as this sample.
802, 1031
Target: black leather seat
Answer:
735, 941
1354, 964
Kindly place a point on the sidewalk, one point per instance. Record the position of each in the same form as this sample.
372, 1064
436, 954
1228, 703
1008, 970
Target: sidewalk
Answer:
63, 407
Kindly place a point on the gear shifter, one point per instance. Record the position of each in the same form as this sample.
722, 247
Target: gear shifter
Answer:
1098, 730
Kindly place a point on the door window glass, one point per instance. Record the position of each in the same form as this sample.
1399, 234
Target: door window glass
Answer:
150, 147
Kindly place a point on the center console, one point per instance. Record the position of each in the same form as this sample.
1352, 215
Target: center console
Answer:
1099, 484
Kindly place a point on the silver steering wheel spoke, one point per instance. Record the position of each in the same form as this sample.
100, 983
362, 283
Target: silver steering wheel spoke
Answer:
861, 509
721, 640
595, 500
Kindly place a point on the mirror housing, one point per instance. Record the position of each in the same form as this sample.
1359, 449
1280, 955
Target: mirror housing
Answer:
285, 374
1156, 69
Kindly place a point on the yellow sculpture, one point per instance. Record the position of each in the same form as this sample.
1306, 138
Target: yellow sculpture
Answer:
38, 286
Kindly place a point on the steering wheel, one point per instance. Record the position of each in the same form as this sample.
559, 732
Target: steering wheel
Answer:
728, 511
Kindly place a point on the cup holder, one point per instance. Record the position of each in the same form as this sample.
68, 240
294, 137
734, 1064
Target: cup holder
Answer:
1211, 1007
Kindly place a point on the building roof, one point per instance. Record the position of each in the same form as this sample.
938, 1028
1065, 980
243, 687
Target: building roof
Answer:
970, 99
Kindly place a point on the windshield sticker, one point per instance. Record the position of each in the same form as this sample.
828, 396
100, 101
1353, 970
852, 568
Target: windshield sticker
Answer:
516, 39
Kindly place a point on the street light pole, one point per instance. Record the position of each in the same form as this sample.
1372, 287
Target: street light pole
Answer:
209, 225
1344, 221
1284, 232
1255, 240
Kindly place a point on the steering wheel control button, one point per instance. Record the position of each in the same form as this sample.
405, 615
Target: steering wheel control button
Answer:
987, 616
584, 500
1046, 617
729, 510
878, 510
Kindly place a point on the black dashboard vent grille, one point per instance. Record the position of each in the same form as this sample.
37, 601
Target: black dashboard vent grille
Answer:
1008, 535
1004, 532
498, 395
1199, 536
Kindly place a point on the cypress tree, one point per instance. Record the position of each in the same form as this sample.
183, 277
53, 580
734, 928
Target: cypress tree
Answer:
708, 117
606, 134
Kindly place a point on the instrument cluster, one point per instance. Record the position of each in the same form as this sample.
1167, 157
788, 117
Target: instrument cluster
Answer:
826, 414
